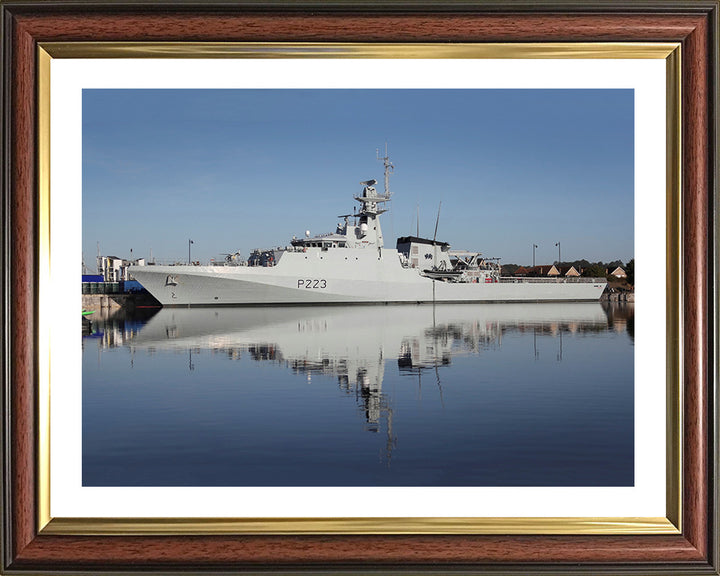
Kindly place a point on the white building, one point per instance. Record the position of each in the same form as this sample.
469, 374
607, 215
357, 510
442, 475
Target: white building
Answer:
114, 269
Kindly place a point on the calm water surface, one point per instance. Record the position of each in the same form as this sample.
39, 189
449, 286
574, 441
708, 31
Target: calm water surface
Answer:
454, 395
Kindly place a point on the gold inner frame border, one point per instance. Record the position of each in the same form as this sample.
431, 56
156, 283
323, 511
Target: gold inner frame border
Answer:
670, 524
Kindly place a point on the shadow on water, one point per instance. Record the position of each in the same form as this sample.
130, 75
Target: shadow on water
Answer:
113, 328
621, 317
477, 326
355, 345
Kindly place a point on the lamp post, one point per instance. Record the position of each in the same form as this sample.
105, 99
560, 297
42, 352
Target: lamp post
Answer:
534, 246
558, 246
189, 260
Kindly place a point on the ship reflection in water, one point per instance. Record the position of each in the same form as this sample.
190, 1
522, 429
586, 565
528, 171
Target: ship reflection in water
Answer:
493, 394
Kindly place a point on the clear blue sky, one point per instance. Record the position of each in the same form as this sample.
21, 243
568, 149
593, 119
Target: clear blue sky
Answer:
243, 169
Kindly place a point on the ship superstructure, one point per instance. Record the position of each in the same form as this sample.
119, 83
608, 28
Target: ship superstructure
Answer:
352, 266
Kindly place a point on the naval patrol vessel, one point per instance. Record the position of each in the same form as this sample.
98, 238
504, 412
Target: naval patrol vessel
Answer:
352, 266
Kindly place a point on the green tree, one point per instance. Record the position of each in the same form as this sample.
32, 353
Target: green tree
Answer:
594, 271
630, 271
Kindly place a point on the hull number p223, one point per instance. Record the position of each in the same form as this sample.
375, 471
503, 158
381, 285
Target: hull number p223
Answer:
312, 283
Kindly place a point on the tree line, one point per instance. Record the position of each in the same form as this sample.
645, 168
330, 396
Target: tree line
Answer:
586, 268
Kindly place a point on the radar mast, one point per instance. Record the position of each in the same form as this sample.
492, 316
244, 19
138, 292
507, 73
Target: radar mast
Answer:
389, 168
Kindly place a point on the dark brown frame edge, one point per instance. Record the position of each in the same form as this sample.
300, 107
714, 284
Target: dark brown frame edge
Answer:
26, 23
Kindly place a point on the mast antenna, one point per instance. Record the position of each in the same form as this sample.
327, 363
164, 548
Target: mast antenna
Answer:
389, 168
437, 221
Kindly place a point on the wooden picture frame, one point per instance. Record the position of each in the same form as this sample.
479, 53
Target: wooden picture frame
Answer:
29, 547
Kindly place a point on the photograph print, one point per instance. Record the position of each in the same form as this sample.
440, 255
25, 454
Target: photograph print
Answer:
358, 287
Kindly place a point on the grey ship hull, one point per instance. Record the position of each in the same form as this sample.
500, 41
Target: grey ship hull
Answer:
343, 276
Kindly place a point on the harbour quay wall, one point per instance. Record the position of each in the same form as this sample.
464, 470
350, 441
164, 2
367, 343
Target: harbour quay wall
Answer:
115, 302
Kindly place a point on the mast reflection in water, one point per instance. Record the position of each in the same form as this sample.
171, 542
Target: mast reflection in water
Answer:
454, 395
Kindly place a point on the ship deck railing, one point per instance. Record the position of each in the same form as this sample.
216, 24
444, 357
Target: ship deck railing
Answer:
549, 280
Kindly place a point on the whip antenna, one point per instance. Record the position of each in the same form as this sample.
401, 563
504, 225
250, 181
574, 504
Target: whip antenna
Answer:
437, 221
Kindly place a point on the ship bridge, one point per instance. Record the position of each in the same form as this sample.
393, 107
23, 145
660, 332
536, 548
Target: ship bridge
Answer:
323, 241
